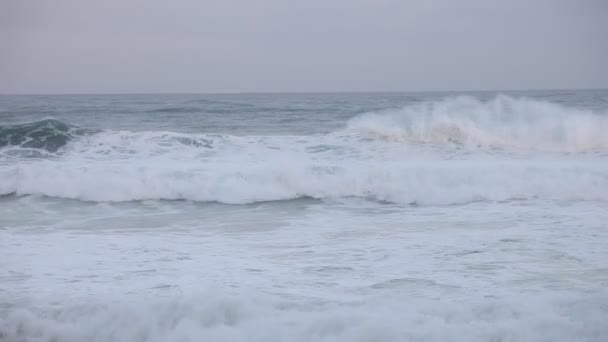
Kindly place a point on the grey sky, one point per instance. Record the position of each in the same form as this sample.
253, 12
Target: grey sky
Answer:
136, 46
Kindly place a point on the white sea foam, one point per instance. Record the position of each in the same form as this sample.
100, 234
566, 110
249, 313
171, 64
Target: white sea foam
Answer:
430, 153
438, 182
222, 318
504, 122
338, 269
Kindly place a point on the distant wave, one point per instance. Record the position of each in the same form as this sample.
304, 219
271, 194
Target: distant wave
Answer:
504, 123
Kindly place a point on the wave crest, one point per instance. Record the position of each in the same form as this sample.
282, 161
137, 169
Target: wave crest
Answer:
48, 134
437, 183
504, 122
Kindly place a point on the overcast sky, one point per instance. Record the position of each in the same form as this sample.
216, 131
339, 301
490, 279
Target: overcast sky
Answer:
142, 46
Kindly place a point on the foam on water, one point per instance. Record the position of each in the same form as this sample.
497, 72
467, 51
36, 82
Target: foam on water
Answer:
212, 316
93, 247
504, 122
482, 272
432, 153
443, 182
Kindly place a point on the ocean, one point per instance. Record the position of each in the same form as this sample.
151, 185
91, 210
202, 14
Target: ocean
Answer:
304, 217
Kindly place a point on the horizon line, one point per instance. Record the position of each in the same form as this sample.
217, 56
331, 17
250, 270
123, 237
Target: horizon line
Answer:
299, 92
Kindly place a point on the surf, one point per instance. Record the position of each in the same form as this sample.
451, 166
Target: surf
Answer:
453, 151
504, 122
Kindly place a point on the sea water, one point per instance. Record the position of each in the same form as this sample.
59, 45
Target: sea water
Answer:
304, 217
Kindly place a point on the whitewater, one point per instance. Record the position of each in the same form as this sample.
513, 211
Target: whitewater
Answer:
304, 217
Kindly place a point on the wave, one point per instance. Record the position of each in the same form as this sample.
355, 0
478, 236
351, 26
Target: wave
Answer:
47, 134
502, 123
357, 161
239, 181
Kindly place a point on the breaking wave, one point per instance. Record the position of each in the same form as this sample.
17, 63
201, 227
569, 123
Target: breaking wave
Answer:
441, 182
504, 123
501, 123
364, 160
